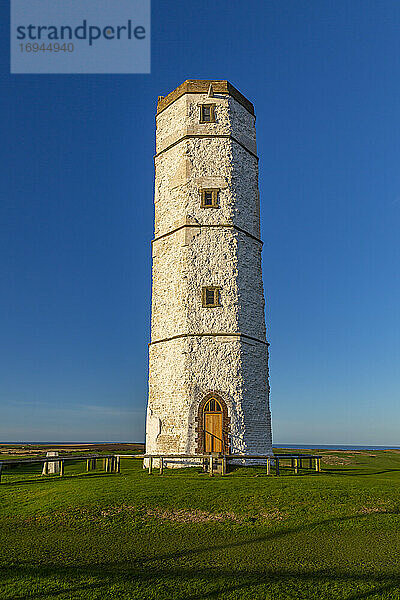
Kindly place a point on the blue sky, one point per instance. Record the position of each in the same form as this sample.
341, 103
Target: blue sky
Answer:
76, 216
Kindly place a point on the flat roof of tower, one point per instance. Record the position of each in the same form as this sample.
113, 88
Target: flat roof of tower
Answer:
201, 86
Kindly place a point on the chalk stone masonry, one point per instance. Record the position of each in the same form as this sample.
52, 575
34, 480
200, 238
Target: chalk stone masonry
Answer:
197, 351
51, 468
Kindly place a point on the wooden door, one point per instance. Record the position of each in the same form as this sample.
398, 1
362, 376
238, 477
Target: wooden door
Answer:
213, 431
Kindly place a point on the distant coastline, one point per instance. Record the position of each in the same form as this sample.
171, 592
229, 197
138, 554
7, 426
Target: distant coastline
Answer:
335, 447
302, 446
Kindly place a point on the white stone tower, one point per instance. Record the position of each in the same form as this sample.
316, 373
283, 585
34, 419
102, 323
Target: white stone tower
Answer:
208, 356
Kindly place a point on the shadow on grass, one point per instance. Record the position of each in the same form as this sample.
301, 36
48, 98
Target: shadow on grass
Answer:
357, 472
161, 573
274, 535
52, 478
202, 583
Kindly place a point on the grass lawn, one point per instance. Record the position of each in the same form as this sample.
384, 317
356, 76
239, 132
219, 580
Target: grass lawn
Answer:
186, 536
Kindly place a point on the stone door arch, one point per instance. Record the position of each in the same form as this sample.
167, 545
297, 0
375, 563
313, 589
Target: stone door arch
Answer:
212, 425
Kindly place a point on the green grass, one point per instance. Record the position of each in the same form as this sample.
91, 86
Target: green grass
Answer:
134, 536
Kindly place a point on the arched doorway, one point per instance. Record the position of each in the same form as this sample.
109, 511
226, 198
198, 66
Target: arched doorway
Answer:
212, 425
212, 415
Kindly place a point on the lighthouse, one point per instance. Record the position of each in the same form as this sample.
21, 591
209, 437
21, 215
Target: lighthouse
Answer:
208, 354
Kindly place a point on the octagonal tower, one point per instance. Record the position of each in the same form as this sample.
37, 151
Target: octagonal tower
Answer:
208, 355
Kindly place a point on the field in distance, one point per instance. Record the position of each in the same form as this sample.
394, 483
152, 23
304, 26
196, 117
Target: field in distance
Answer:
28, 450
187, 536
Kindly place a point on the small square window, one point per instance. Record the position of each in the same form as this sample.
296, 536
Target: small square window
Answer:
209, 198
210, 296
207, 114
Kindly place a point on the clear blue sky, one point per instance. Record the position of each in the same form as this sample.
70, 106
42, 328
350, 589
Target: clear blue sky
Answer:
76, 217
